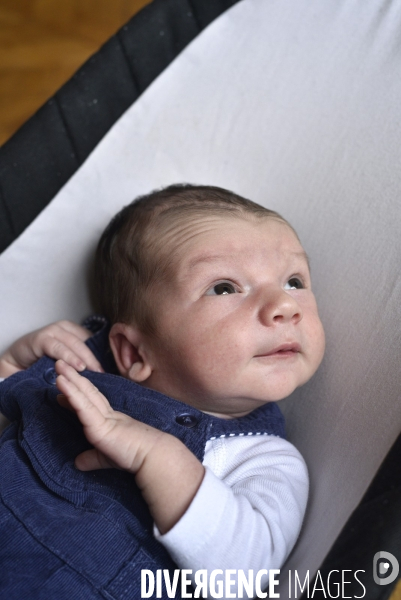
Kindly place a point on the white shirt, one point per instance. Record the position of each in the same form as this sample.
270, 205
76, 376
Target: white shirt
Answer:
248, 511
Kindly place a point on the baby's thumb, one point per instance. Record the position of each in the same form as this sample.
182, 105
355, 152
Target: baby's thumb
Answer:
91, 460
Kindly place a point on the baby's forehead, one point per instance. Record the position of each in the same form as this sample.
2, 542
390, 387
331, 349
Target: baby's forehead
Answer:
186, 226
211, 235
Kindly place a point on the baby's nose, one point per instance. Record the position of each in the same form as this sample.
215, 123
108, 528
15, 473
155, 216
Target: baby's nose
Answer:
280, 307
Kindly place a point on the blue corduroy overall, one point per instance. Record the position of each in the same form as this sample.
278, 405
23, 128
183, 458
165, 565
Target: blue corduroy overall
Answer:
66, 534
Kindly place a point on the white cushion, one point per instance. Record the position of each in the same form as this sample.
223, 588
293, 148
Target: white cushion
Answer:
297, 105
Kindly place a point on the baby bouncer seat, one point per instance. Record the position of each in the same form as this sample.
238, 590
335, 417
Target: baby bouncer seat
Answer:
295, 104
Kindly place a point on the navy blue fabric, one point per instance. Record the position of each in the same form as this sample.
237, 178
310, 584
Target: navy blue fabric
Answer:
69, 534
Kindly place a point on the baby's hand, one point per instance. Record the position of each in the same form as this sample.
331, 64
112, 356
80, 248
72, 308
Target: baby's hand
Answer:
166, 472
64, 339
119, 440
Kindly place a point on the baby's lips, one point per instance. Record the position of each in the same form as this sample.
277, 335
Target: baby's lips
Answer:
286, 347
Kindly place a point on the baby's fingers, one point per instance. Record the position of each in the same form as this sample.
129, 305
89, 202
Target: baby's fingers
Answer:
90, 405
76, 342
87, 412
59, 351
65, 340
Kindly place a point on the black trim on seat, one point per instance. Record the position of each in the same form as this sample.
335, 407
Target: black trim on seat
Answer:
47, 150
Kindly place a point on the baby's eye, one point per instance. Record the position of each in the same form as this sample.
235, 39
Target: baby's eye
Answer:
221, 288
294, 284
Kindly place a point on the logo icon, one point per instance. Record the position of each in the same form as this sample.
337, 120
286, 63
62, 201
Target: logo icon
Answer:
385, 568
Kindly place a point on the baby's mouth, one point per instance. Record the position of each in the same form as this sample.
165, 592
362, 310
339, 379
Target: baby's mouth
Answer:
287, 349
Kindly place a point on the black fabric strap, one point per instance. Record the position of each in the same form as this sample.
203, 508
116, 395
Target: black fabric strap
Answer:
47, 150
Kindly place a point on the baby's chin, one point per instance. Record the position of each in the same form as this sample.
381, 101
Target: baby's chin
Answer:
220, 415
215, 403
239, 408
247, 405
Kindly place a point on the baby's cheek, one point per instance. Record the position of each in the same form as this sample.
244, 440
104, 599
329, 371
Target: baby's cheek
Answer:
215, 356
317, 341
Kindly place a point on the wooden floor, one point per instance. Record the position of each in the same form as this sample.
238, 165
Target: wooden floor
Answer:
43, 42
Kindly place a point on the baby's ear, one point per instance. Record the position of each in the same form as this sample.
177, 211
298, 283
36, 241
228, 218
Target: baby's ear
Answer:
127, 345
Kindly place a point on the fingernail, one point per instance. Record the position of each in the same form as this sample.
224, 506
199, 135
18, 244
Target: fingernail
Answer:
81, 366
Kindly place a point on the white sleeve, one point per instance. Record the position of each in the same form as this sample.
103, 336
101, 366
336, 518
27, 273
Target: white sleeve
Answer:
248, 511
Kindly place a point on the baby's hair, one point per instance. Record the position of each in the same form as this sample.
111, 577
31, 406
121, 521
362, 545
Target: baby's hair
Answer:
135, 251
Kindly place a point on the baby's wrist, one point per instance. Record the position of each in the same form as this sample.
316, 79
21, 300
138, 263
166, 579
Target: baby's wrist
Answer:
169, 479
153, 455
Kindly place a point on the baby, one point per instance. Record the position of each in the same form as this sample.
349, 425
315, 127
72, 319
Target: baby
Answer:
212, 314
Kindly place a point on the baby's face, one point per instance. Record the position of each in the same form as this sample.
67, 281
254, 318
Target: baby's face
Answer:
238, 322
